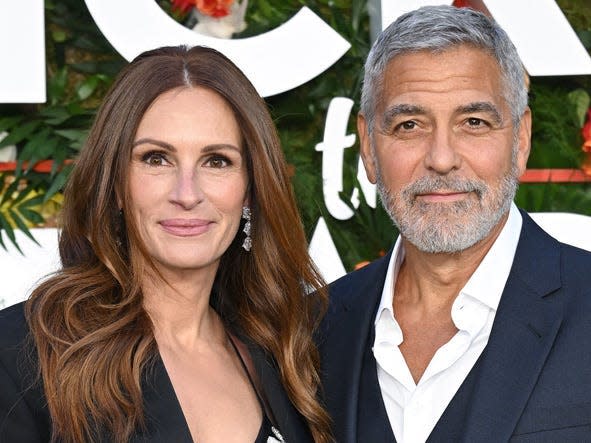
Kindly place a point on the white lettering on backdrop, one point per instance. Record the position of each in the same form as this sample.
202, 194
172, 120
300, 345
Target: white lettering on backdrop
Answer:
332, 147
538, 28
22, 51
276, 61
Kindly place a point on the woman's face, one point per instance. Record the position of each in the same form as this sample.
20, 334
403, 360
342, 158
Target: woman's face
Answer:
187, 179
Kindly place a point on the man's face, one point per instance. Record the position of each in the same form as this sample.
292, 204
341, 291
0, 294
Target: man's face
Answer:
444, 151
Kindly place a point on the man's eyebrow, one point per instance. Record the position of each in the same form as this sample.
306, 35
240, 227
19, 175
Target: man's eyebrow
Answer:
400, 109
486, 107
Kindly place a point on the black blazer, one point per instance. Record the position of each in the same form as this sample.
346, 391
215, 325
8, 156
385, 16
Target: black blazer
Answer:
532, 382
24, 416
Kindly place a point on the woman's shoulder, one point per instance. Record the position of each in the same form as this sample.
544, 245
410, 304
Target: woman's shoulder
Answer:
23, 412
16, 357
13, 327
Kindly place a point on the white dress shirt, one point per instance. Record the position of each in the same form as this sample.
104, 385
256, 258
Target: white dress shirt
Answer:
414, 409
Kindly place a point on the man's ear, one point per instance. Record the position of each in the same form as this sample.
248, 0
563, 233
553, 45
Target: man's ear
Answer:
365, 148
524, 141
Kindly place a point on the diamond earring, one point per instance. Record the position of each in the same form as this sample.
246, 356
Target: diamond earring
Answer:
247, 243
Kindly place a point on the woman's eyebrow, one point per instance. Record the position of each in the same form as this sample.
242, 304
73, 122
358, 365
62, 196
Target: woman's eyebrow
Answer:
153, 141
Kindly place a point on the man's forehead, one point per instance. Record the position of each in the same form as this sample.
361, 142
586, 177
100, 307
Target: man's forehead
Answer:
461, 75
436, 64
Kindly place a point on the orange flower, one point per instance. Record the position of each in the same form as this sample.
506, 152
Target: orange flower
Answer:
586, 132
214, 8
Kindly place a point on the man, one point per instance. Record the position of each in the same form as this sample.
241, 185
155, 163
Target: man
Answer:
476, 327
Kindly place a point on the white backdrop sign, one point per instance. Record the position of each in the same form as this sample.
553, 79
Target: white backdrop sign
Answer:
22, 51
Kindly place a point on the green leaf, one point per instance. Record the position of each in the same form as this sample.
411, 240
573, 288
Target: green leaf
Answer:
38, 147
56, 86
19, 133
22, 225
31, 215
9, 191
21, 193
35, 201
87, 87
5, 225
8, 122
59, 36
1, 239
55, 115
72, 134
580, 100
58, 183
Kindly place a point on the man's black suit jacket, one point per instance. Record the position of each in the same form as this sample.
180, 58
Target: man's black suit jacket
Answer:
532, 382
24, 416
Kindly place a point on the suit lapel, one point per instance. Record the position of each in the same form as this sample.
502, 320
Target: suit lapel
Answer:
164, 417
165, 420
526, 323
343, 342
284, 415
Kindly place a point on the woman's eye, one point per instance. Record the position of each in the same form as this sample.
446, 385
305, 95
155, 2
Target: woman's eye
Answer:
218, 162
154, 158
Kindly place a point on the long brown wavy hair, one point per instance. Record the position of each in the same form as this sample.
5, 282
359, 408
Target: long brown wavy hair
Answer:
92, 309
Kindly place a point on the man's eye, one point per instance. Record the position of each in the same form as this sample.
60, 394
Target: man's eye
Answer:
475, 122
407, 126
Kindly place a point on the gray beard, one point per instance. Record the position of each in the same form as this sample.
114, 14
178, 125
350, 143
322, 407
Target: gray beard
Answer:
449, 227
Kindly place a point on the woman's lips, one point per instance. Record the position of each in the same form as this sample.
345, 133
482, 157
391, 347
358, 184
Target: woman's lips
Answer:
185, 227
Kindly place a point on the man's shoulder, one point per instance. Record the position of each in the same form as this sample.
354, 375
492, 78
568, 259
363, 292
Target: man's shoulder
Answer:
362, 286
370, 274
573, 259
576, 267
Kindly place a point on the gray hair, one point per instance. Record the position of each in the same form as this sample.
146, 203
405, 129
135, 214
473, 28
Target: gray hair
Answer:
437, 28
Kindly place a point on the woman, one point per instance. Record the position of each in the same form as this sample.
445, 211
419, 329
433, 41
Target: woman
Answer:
179, 313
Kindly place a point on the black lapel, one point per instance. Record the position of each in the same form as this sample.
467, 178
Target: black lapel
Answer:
343, 341
373, 424
526, 323
164, 417
291, 424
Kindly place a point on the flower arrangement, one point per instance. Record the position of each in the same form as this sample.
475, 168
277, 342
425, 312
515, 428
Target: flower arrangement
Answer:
216, 18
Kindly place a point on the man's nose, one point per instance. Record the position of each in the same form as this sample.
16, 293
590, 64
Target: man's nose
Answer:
442, 155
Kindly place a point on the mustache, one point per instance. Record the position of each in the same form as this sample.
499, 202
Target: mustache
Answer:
429, 184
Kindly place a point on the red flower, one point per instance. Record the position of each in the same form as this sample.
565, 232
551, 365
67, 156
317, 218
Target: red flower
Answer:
586, 131
182, 6
462, 3
214, 8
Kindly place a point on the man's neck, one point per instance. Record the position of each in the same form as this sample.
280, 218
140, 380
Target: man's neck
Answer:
432, 280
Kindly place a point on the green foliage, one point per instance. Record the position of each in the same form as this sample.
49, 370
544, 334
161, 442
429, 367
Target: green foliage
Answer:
556, 137
553, 197
80, 67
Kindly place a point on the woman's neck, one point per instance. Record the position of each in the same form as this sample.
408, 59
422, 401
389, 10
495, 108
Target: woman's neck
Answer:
180, 311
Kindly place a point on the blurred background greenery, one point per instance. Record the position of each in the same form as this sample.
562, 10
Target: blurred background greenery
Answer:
81, 65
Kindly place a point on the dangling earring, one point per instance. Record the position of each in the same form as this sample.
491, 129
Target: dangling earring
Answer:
247, 243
